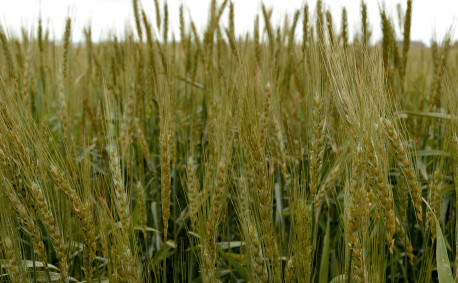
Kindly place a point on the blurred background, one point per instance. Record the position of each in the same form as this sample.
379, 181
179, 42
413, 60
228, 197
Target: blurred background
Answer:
111, 16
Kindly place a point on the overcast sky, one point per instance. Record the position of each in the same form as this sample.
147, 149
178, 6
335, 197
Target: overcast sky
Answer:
430, 18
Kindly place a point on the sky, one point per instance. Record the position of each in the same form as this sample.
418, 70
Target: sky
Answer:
430, 19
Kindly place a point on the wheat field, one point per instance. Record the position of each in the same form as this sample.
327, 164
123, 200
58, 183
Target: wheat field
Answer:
267, 157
